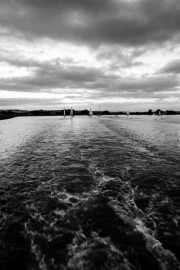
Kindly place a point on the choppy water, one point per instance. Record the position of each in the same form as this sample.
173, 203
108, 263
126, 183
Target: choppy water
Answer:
90, 193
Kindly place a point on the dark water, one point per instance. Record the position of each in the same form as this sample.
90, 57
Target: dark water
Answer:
90, 193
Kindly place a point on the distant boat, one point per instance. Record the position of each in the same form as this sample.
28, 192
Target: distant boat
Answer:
127, 113
90, 113
100, 114
71, 112
64, 112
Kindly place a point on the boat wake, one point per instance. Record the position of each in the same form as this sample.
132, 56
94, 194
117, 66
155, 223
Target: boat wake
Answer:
88, 200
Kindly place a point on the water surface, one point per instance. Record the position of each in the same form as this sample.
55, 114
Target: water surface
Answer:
90, 193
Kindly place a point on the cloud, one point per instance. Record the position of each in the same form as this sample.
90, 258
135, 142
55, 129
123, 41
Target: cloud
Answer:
119, 57
150, 84
90, 49
14, 61
171, 67
93, 22
32, 104
53, 77
171, 99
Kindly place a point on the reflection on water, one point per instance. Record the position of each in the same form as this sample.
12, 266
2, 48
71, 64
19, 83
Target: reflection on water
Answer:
90, 193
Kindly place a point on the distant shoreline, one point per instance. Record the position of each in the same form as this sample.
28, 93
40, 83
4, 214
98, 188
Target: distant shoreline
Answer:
5, 117
8, 114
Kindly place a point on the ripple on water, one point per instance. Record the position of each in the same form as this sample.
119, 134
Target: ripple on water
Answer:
89, 194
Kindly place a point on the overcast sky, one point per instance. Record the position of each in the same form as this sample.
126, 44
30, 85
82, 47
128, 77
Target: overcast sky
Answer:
121, 54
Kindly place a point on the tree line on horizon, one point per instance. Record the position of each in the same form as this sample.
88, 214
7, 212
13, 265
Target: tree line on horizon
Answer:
5, 114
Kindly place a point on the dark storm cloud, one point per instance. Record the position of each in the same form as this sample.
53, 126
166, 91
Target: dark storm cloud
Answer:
143, 86
118, 57
172, 67
148, 84
52, 76
93, 21
46, 76
29, 63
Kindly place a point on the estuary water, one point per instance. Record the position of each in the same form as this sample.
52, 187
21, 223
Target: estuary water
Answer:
90, 193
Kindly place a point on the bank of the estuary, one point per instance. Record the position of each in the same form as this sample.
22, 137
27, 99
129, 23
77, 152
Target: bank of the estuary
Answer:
6, 116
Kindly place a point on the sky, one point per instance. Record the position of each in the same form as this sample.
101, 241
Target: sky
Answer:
120, 54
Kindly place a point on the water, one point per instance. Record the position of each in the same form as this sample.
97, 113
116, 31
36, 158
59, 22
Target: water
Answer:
90, 193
